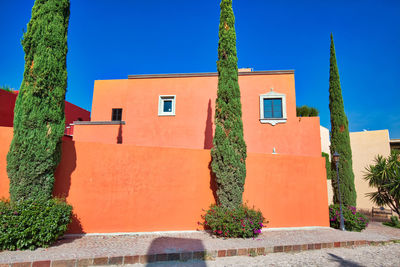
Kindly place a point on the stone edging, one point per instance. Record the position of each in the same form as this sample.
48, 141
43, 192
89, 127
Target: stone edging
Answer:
193, 255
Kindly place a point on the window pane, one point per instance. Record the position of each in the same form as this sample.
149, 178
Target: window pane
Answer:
167, 106
277, 108
116, 114
267, 108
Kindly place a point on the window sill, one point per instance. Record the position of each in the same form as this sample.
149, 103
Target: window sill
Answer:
166, 115
273, 121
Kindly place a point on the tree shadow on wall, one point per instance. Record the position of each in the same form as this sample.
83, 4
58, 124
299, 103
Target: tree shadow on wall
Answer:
119, 136
62, 183
213, 182
208, 132
176, 249
208, 144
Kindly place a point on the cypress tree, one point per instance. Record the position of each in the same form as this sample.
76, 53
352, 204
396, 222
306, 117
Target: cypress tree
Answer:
229, 151
35, 150
340, 139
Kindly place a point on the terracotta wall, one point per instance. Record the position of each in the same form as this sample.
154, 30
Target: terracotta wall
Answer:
6, 134
127, 188
75, 113
7, 104
192, 126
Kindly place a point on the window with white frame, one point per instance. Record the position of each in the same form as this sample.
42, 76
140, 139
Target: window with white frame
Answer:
273, 108
166, 105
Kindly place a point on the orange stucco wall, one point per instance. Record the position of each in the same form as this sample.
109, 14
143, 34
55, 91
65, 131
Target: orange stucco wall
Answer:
192, 126
128, 188
6, 134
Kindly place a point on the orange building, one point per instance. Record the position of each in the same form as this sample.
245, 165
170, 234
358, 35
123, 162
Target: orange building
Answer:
142, 163
177, 110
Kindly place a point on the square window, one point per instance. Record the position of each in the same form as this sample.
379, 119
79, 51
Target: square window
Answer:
166, 105
116, 114
273, 108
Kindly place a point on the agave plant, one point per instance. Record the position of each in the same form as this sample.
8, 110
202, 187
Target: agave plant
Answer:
385, 176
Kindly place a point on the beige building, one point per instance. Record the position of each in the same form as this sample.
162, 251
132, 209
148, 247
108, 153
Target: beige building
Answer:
364, 146
325, 143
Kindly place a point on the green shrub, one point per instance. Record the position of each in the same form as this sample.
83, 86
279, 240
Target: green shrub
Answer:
238, 222
327, 165
32, 223
394, 222
353, 220
306, 111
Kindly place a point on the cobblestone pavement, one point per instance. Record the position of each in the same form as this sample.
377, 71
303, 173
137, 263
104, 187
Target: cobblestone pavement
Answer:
147, 244
382, 255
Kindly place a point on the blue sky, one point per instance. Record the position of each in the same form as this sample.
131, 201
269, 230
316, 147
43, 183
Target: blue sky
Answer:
111, 39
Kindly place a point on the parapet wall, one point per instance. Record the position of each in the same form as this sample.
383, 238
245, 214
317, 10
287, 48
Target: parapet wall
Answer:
127, 188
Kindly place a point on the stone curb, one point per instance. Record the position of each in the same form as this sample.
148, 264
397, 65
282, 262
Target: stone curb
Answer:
191, 255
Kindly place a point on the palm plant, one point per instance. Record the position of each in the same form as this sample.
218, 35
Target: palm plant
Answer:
385, 176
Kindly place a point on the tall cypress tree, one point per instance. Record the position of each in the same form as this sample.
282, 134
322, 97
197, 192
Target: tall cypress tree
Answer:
35, 150
229, 151
340, 139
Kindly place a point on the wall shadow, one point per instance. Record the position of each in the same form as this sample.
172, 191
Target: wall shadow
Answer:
62, 182
65, 169
213, 183
176, 249
343, 262
208, 132
119, 136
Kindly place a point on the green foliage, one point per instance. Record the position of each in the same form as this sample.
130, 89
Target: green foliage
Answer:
237, 222
384, 175
229, 151
28, 224
340, 139
327, 165
353, 220
394, 222
6, 88
305, 111
35, 150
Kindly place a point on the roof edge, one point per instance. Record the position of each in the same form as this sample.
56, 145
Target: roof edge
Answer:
207, 74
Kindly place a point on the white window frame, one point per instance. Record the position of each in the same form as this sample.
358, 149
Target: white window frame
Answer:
273, 121
161, 100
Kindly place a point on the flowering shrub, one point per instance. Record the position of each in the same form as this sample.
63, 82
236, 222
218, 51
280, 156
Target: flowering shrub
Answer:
239, 222
31, 223
353, 220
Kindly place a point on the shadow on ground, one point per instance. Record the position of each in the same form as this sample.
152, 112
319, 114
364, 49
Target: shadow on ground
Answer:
344, 262
173, 249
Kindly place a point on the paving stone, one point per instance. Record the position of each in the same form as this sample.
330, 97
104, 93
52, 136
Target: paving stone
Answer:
231, 252
115, 260
63, 263
185, 256
84, 262
242, 252
131, 259
41, 264
21, 264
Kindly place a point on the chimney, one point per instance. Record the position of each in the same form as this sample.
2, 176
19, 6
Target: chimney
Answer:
245, 70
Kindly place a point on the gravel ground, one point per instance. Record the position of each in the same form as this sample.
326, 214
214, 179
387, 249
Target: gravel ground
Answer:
103, 246
382, 255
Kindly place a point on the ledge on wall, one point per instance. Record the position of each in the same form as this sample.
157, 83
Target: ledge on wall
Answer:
99, 122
